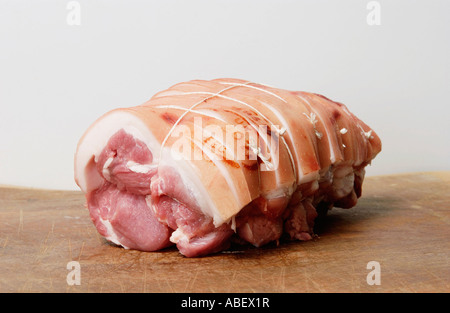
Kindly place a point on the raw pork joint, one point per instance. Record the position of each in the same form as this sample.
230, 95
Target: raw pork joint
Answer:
206, 163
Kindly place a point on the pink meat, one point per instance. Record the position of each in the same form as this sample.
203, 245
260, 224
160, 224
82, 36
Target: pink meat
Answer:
125, 219
123, 147
119, 209
260, 222
199, 236
214, 241
300, 221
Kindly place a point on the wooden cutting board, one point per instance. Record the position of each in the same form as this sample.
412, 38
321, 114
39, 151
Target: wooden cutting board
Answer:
402, 222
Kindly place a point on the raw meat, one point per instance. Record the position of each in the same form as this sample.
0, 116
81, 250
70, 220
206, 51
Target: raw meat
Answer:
206, 163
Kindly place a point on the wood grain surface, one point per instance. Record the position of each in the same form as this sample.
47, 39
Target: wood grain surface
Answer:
401, 221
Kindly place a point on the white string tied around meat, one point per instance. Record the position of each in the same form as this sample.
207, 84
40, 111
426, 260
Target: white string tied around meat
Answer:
255, 149
188, 111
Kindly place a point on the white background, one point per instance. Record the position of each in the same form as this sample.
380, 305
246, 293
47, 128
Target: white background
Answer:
56, 79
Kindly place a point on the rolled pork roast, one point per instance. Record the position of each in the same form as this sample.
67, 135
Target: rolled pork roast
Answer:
205, 164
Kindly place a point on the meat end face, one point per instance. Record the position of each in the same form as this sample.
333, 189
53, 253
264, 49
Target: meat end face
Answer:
138, 205
119, 208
